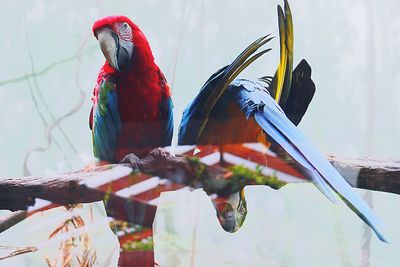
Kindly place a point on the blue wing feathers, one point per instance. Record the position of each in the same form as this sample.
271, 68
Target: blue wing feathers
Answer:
273, 121
274, 133
114, 114
107, 127
169, 128
192, 116
98, 142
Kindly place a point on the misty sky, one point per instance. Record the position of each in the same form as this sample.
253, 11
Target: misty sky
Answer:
352, 47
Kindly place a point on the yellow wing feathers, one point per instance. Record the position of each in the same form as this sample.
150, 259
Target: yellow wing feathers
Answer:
283, 76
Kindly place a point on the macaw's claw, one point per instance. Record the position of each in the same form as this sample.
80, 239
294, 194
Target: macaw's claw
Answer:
134, 162
161, 163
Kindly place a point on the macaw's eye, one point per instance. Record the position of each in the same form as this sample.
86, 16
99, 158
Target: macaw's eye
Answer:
125, 25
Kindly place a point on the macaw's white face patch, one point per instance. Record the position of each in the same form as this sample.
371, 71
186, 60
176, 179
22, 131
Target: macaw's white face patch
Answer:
126, 45
123, 30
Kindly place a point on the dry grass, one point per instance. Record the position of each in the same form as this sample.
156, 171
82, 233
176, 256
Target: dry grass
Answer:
73, 251
16, 251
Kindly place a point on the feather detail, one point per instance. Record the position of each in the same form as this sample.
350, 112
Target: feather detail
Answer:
279, 78
289, 44
274, 122
106, 121
196, 114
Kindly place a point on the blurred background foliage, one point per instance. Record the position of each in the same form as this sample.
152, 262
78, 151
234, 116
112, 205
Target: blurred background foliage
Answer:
50, 61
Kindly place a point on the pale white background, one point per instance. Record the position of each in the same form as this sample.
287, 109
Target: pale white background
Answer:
352, 47
293, 227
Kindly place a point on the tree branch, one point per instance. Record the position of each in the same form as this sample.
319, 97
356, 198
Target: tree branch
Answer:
12, 220
20, 193
370, 173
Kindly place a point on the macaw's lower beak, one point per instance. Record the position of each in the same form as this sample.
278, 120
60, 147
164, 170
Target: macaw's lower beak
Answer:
117, 52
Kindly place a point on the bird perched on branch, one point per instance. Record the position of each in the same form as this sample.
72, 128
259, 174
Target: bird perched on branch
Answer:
229, 110
132, 107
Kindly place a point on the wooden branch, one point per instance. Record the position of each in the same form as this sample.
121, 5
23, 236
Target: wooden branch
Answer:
370, 173
12, 220
365, 173
20, 193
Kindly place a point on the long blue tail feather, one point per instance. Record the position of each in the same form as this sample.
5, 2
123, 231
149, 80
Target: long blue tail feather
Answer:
275, 134
273, 121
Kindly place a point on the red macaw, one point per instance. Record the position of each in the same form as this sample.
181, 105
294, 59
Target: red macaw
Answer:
132, 106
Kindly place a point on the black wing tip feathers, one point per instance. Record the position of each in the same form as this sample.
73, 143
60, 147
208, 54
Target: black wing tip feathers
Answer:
305, 66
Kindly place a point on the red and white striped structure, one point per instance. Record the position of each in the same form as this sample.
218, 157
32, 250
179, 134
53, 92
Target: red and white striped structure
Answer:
144, 191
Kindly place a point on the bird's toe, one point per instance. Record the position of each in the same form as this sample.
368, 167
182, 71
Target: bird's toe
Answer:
134, 161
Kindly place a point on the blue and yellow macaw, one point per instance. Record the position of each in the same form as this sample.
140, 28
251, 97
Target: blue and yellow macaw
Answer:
229, 110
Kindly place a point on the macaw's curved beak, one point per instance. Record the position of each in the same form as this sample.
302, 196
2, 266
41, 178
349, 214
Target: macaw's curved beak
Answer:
118, 52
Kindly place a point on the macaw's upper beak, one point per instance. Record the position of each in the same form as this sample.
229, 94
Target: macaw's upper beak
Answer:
118, 52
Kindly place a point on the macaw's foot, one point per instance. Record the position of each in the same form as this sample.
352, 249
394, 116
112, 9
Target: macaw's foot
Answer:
134, 162
157, 156
162, 163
